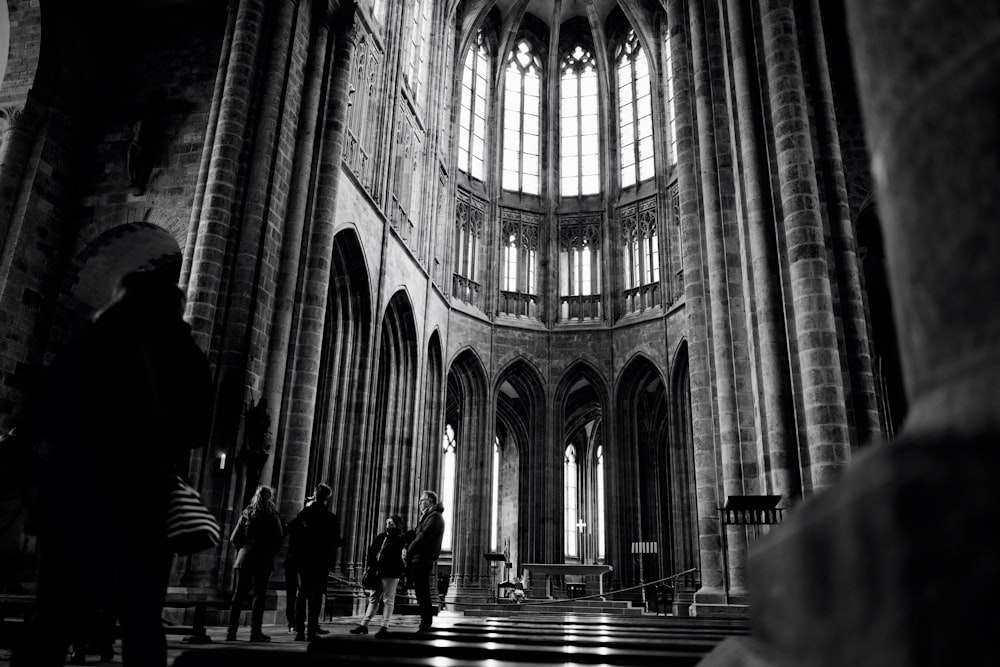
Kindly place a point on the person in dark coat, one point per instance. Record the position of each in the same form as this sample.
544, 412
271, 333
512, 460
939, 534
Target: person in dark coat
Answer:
116, 414
422, 553
385, 557
314, 537
258, 536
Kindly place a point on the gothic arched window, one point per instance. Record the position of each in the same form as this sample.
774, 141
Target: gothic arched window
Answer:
635, 112
600, 501
472, 123
495, 497
448, 485
580, 170
671, 104
417, 51
521, 145
569, 515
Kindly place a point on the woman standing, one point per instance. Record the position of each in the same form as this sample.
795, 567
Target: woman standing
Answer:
258, 536
385, 556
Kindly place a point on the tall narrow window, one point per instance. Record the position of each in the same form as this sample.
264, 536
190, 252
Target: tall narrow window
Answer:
472, 123
671, 108
448, 485
635, 112
495, 498
420, 26
570, 498
580, 268
600, 501
519, 261
521, 146
580, 172
641, 245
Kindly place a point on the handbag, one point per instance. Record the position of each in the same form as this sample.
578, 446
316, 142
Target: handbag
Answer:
191, 527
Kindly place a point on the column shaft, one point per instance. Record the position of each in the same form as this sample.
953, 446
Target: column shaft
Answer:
815, 329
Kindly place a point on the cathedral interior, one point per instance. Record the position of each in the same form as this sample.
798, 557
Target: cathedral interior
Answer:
595, 271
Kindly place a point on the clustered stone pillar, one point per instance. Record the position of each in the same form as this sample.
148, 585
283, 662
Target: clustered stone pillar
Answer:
775, 382
704, 22
696, 311
896, 564
309, 126
304, 381
812, 303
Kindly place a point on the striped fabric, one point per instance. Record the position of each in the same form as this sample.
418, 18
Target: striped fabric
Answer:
191, 527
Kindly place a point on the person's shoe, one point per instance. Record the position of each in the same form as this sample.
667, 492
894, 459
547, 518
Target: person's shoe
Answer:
360, 630
382, 632
300, 636
260, 637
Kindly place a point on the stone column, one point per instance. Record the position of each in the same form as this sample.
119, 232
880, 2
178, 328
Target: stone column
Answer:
819, 363
780, 442
311, 313
696, 311
852, 306
896, 564
210, 245
209, 146
300, 190
704, 23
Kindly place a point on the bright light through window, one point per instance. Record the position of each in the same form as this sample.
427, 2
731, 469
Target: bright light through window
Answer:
600, 501
635, 113
570, 501
521, 145
448, 485
580, 167
472, 119
495, 498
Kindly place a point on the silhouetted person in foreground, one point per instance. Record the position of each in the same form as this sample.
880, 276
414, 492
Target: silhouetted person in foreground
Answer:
385, 556
423, 552
314, 537
116, 414
258, 536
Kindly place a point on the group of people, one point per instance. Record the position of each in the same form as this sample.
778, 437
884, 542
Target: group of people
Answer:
393, 552
103, 424
313, 540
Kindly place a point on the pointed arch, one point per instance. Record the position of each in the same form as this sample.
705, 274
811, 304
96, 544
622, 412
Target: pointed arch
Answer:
466, 412
640, 470
682, 506
391, 456
581, 410
345, 364
520, 428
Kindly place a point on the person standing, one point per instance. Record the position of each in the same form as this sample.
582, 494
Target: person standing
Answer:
385, 556
422, 553
314, 537
116, 413
258, 536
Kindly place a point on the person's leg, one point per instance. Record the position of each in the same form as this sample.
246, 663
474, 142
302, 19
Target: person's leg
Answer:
291, 591
141, 586
315, 593
301, 600
242, 580
422, 588
47, 635
260, 581
373, 598
388, 599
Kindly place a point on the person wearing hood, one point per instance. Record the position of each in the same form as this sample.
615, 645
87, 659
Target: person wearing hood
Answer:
423, 552
385, 557
118, 410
